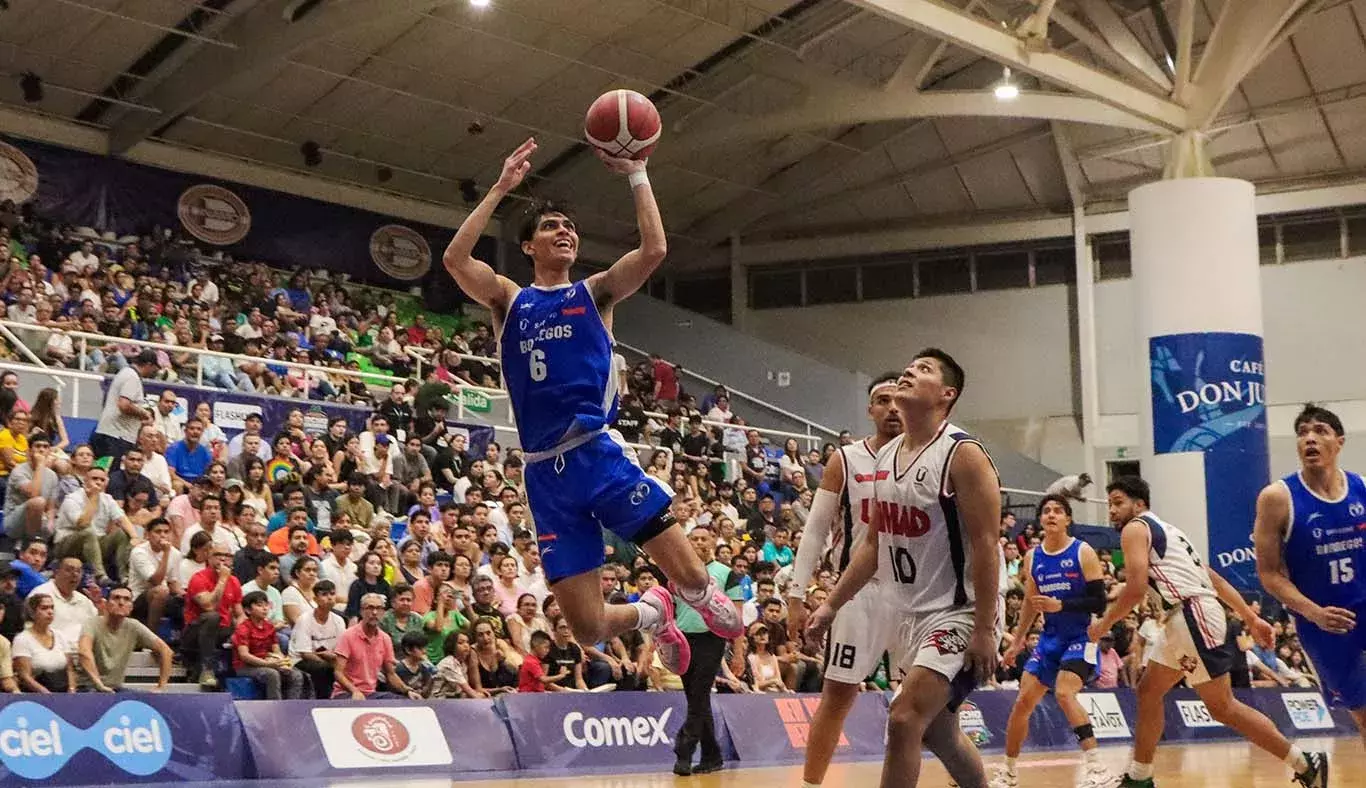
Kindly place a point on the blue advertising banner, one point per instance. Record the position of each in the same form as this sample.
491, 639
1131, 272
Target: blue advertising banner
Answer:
251, 223
126, 738
301, 739
591, 730
775, 727
1209, 396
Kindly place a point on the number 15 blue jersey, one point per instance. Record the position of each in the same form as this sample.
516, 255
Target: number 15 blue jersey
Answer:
557, 365
1325, 548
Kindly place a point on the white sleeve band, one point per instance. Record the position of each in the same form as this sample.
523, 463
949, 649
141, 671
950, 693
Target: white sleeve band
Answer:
637, 178
824, 508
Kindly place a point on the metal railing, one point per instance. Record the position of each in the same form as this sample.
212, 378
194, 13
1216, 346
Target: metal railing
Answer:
60, 376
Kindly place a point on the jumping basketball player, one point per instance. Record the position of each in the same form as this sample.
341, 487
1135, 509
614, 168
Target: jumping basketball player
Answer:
1194, 642
857, 638
1064, 581
932, 542
555, 341
1311, 554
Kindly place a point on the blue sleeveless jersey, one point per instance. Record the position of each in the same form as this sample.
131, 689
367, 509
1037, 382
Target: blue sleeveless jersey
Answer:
557, 365
1325, 550
1059, 576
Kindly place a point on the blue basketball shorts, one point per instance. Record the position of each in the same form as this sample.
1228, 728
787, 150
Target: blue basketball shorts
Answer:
1076, 654
573, 496
1339, 659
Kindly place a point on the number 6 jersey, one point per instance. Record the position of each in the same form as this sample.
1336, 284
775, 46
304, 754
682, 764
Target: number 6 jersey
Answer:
924, 553
557, 365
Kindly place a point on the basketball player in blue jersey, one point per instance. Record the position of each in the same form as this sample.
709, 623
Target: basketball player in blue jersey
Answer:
1064, 581
1194, 644
1310, 535
555, 340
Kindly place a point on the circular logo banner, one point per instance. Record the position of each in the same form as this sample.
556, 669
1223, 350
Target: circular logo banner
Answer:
400, 252
18, 174
214, 214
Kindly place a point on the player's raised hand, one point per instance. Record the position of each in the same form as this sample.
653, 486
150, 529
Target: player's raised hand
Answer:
1012, 651
1262, 633
1095, 632
620, 166
1336, 620
516, 166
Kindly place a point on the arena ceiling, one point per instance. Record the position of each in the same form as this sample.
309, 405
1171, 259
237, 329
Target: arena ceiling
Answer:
783, 118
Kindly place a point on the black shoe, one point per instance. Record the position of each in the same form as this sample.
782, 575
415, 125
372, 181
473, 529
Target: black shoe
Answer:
1316, 775
707, 767
1128, 782
683, 767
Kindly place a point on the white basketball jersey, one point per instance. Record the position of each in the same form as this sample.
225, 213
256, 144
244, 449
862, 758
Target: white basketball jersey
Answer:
1175, 571
856, 501
924, 555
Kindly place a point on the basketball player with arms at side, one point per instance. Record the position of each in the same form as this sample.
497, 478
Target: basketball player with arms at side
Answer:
1194, 642
838, 522
555, 343
932, 542
1064, 581
1311, 552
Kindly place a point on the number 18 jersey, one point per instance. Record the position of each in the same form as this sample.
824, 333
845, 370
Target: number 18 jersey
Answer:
924, 554
557, 365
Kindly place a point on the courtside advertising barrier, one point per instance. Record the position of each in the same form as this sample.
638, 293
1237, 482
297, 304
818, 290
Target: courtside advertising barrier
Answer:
297, 739
133, 737
127, 738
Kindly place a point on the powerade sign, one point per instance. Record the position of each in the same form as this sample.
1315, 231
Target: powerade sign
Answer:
35, 743
1209, 396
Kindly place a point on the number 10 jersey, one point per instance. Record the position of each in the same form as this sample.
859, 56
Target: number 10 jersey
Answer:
924, 553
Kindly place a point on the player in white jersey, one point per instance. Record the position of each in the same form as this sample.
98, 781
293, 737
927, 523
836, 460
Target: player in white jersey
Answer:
837, 524
933, 547
1194, 643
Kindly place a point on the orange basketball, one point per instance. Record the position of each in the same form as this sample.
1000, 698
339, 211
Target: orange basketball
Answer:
624, 124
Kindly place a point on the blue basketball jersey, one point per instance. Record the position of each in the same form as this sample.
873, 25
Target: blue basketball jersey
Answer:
1059, 576
1325, 548
557, 365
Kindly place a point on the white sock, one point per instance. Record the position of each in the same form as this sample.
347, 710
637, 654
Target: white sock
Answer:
649, 616
1010, 765
1140, 771
806, 784
1295, 759
1091, 756
697, 597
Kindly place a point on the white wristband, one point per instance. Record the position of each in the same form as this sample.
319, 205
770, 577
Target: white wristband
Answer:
638, 178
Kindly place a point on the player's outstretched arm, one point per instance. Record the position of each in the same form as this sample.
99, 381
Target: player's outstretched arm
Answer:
1027, 611
824, 509
978, 490
629, 273
862, 567
1135, 541
476, 277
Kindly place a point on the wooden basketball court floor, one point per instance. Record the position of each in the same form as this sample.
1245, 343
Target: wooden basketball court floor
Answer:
1194, 765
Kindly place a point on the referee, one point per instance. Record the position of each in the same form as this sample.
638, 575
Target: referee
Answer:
707, 652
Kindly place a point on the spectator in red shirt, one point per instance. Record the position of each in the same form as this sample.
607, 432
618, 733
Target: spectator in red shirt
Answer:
417, 332
666, 381
363, 653
532, 677
212, 610
256, 652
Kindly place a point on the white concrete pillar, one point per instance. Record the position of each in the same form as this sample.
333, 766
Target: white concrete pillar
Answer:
1197, 293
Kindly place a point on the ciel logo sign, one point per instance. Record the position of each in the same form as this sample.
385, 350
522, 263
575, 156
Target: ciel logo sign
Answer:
35, 743
796, 714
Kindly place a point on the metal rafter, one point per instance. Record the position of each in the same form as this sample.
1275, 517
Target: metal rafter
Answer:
1240, 40
1118, 35
961, 29
260, 38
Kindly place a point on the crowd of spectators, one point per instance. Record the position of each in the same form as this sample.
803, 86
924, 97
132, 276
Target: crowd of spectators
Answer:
397, 560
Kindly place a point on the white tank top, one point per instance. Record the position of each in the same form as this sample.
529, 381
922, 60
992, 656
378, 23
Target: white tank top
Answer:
924, 555
856, 501
1175, 571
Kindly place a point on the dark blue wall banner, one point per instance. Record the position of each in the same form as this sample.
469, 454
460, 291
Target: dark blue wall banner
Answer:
1209, 396
594, 730
251, 223
126, 738
300, 739
776, 727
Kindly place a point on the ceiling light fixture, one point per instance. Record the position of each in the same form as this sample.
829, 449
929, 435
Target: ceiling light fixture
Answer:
1006, 89
480, 3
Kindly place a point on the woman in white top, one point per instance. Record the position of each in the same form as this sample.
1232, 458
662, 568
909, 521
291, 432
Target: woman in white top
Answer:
42, 657
213, 438
254, 487
298, 598
527, 620
763, 664
791, 460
